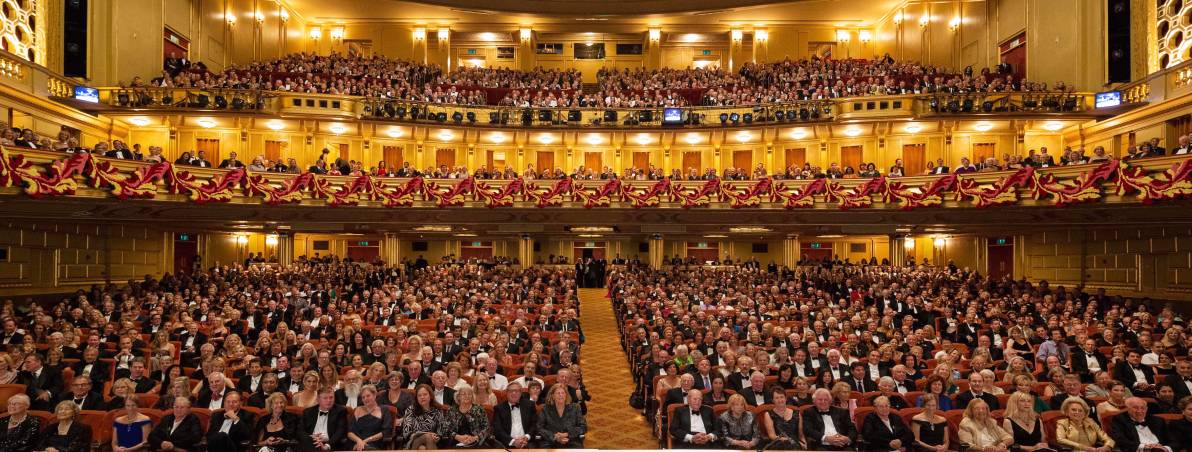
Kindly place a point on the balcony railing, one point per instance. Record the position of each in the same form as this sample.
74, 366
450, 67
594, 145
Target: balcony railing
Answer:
49, 174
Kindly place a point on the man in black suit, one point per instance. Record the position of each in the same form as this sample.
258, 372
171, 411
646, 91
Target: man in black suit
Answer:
438, 386
755, 394
251, 378
325, 425
349, 394
679, 395
231, 427
214, 393
178, 431
1136, 430
940, 167
91, 366
1131, 372
1181, 380
1087, 361
200, 160
11, 335
1072, 388
41, 383
269, 385
703, 375
693, 427
231, 162
976, 391
514, 421
192, 341
82, 395
826, 427
858, 379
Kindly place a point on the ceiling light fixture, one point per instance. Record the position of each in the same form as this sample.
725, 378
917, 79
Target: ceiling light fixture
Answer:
798, 134
852, 131
1053, 126
983, 126
748, 229
644, 139
275, 125
206, 123
594, 139
497, 137
693, 138
744, 136
338, 129
546, 138
446, 135
913, 128
393, 132
139, 121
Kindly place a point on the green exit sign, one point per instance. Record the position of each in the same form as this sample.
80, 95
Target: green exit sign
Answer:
471, 51
184, 237
707, 51
364, 243
477, 244
815, 245
1001, 241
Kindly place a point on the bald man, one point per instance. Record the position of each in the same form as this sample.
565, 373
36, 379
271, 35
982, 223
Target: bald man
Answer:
1137, 430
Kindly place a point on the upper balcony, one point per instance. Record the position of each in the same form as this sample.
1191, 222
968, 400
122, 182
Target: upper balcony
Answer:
1017, 105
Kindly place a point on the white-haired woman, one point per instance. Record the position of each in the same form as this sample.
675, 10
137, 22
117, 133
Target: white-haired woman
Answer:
22, 430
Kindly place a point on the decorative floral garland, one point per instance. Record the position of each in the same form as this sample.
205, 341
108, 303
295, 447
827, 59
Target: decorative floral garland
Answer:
62, 178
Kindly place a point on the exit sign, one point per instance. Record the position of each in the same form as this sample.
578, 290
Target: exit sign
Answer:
707, 52
477, 244
815, 245
364, 243
184, 237
471, 51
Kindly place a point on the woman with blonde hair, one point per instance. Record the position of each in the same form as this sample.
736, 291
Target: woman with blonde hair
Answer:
1116, 402
561, 423
8, 372
1024, 423
66, 435
309, 395
979, 432
1017, 366
1078, 431
484, 390
179, 387
737, 428
122, 389
277, 427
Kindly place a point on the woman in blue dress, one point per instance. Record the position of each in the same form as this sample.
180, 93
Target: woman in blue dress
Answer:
131, 431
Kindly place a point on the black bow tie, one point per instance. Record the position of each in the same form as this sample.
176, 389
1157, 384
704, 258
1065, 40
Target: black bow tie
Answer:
695, 412
78, 401
824, 413
1141, 424
1188, 378
322, 414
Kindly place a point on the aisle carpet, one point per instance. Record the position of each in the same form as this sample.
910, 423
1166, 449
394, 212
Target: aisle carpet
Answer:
612, 423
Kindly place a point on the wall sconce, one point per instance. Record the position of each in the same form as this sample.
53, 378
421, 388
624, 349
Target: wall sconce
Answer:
242, 240
337, 33
843, 35
271, 240
655, 34
864, 36
923, 21
954, 23
898, 17
285, 15
908, 243
230, 17
260, 16
419, 34
316, 33
761, 35
736, 35
526, 33
939, 242
444, 34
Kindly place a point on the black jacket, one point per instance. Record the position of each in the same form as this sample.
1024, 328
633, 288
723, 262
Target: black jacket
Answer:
1123, 373
337, 425
188, 434
813, 426
49, 380
680, 425
751, 396
503, 420
963, 399
1125, 434
240, 433
92, 401
877, 436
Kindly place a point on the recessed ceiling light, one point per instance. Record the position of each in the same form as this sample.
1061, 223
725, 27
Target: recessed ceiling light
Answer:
852, 131
798, 134
644, 139
497, 137
275, 125
206, 123
393, 132
983, 126
748, 229
830, 236
338, 129
1053, 126
744, 136
913, 128
715, 236
591, 229
139, 121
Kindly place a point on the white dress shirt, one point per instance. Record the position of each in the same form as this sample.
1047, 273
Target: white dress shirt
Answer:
516, 429
697, 426
321, 423
829, 427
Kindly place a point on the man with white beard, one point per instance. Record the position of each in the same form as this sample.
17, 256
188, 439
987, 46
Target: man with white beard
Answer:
349, 394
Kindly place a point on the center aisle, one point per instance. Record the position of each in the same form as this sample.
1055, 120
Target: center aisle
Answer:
612, 423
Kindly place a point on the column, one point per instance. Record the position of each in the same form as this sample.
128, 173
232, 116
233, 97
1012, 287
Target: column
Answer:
736, 50
419, 53
391, 249
285, 247
653, 49
791, 253
525, 251
656, 250
761, 39
526, 56
897, 250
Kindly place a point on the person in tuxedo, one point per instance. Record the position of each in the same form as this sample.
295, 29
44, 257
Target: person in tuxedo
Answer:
827, 427
514, 420
703, 375
41, 383
755, 394
269, 385
200, 160
178, 431
940, 167
215, 392
119, 152
1185, 146
11, 335
1137, 430
1071, 387
1131, 372
679, 395
1087, 361
883, 430
1181, 380
438, 384
694, 427
251, 378
230, 428
232, 162
859, 380
192, 342
92, 367
325, 425
82, 395
977, 391
349, 394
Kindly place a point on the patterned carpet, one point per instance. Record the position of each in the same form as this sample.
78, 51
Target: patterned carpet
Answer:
612, 423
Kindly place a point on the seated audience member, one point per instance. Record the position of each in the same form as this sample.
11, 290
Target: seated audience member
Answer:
1078, 431
131, 430
1116, 402
825, 426
372, 422
1137, 430
22, 431
737, 428
561, 425
930, 429
178, 431
67, 434
515, 421
230, 428
82, 396
756, 393
978, 430
325, 425
1024, 424
422, 422
694, 426
465, 424
781, 423
277, 428
42, 384
883, 430
977, 391
1182, 428
936, 386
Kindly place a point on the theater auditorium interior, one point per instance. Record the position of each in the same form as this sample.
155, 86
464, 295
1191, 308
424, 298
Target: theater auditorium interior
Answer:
867, 225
